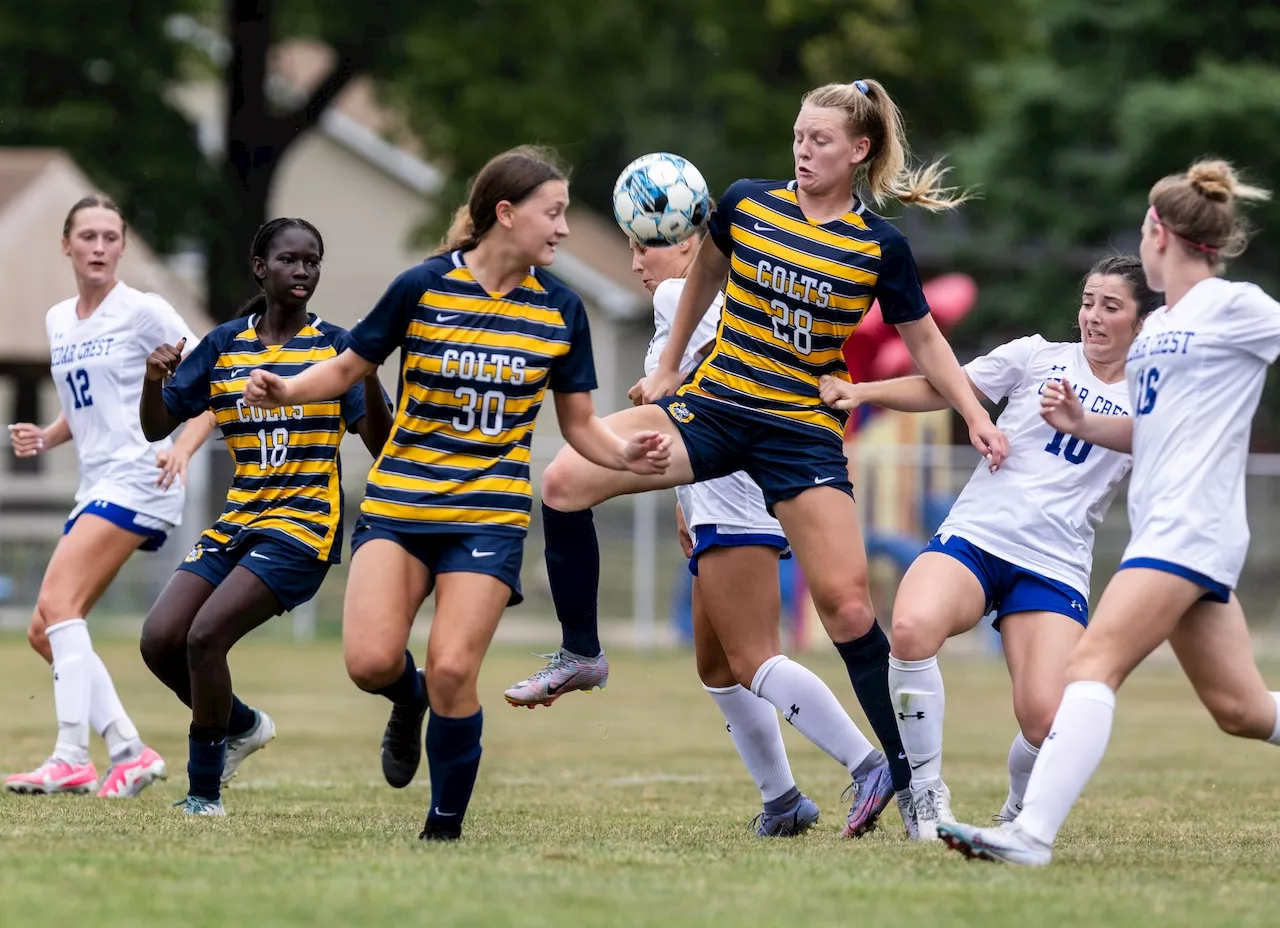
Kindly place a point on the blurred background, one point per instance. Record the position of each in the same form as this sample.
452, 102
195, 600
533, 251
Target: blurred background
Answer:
203, 118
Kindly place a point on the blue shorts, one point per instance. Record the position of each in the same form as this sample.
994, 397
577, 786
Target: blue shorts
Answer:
1218, 592
1010, 588
146, 526
706, 537
486, 553
292, 574
783, 459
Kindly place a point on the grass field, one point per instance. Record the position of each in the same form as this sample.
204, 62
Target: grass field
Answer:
622, 808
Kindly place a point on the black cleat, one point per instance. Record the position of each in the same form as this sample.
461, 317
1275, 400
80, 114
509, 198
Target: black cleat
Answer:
402, 742
435, 830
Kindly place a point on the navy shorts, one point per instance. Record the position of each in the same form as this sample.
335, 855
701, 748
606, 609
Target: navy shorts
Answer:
1010, 588
153, 536
292, 574
706, 537
1218, 592
455, 552
783, 459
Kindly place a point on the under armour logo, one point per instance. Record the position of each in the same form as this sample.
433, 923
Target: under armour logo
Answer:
1076, 606
1051, 736
728, 728
1059, 367
910, 715
795, 710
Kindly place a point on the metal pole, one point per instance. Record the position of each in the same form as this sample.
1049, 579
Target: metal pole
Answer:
644, 542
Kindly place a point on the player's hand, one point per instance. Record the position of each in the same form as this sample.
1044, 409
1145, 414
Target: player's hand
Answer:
990, 442
658, 384
636, 393
647, 453
173, 466
162, 362
1061, 407
265, 390
837, 393
27, 439
682, 532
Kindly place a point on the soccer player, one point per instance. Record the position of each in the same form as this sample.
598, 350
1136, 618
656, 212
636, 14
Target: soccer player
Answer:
804, 260
1018, 541
484, 331
282, 526
733, 546
1194, 375
100, 341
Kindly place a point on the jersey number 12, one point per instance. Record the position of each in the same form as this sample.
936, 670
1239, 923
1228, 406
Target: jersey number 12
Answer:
78, 381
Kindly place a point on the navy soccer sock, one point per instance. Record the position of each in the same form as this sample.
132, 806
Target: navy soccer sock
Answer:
408, 689
867, 661
207, 756
242, 718
573, 570
453, 756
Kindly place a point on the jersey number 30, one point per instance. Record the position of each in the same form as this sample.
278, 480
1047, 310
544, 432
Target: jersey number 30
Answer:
483, 409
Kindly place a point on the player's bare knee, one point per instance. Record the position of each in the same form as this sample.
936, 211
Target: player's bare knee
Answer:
158, 647
915, 635
204, 641
36, 636
714, 670
1239, 718
1036, 719
53, 607
372, 668
558, 487
449, 678
848, 616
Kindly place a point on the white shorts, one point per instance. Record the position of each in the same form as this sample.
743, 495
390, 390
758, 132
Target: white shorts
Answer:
732, 502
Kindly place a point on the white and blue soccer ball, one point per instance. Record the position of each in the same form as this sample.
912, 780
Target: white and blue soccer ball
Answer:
660, 199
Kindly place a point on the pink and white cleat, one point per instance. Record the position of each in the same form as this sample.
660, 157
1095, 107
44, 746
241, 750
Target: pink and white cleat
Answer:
125, 780
53, 776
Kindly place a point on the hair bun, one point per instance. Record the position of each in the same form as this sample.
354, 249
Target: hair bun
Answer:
1213, 180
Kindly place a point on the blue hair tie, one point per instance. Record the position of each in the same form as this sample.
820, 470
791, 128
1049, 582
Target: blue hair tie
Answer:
862, 87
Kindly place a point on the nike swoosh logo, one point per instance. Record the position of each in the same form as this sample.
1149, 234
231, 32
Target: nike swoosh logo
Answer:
762, 228
260, 556
440, 814
483, 553
919, 765
236, 370
552, 690
449, 317
901, 756
821, 480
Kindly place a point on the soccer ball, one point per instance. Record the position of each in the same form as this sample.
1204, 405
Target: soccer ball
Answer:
660, 199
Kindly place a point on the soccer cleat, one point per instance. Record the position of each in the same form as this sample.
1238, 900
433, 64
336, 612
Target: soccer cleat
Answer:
1007, 844
933, 808
566, 672
402, 742
434, 830
195, 805
868, 797
125, 780
908, 810
54, 776
799, 818
240, 747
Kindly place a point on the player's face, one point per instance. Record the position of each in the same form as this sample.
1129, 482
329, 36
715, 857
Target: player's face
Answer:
95, 244
538, 222
291, 272
825, 156
1108, 317
655, 264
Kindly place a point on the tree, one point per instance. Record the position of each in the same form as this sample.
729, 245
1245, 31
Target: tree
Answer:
1112, 97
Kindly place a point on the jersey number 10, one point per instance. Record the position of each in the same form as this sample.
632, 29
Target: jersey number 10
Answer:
1075, 451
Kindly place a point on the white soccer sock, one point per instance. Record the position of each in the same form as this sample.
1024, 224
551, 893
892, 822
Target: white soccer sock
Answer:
1275, 735
1022, 760
1068, 758
920, 701
72, 650
753, 726
107, 715
806, 702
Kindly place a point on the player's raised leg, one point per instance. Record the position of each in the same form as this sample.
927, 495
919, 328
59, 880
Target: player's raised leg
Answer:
571, 485
84, 563
1035, 648
385, 588
939, 597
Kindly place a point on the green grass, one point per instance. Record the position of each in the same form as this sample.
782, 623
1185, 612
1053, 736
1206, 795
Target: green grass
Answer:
622, 808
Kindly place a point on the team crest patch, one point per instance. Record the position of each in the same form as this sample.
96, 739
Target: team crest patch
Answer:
196, 553
680, 412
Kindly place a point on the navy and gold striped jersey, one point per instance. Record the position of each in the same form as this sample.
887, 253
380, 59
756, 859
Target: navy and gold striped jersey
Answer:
796, 291
287, 483
474, 369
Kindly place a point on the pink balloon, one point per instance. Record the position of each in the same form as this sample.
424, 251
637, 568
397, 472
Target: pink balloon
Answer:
892, 360
950, 298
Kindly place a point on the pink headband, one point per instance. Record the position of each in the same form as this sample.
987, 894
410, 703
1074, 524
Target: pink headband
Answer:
1198, 246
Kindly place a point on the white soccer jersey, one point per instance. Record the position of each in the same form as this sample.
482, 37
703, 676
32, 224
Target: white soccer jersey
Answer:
1041, 508
1195, 375
735, 501
98, 365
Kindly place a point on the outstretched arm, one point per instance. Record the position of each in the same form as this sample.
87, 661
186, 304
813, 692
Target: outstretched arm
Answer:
586, 433
1062, 409
324, 381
